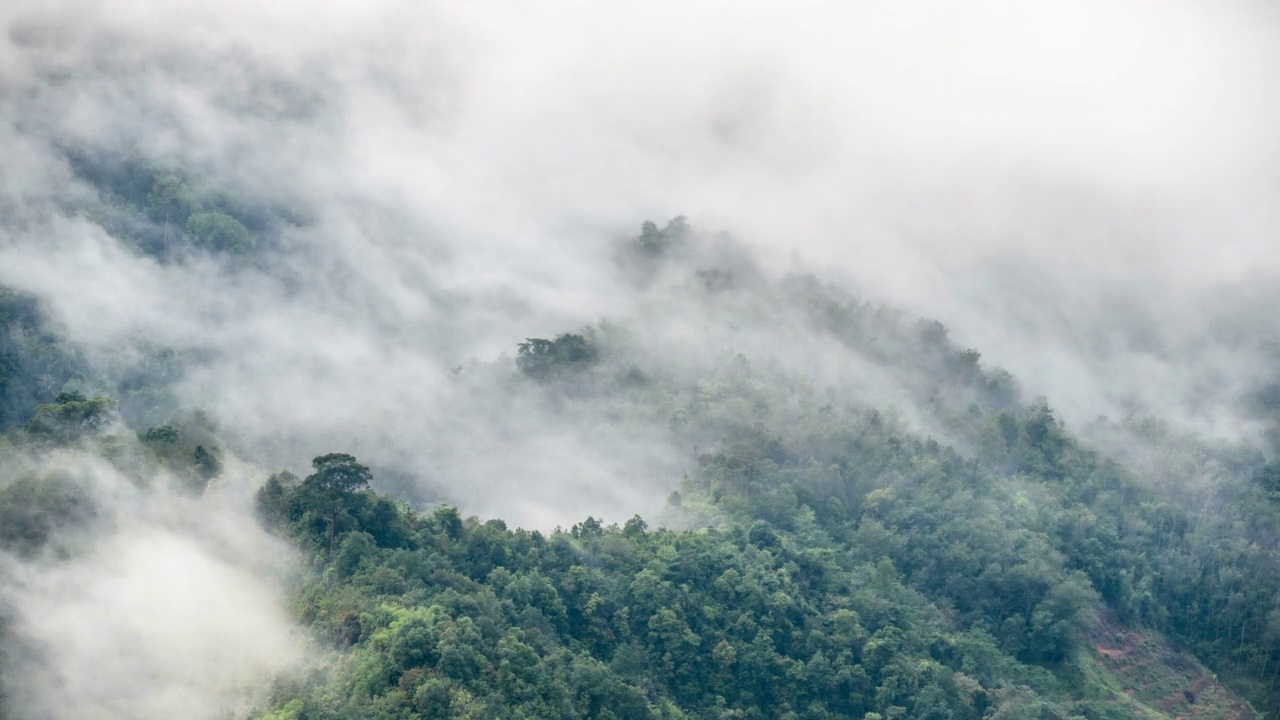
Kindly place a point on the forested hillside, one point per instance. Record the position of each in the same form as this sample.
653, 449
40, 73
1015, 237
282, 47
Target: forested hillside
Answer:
358, 362
901, 535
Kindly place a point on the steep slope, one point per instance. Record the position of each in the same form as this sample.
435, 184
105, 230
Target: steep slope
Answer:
1143, 668
868, 522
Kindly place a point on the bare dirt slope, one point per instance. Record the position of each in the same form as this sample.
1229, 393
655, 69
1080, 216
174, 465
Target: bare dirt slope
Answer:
1160, 680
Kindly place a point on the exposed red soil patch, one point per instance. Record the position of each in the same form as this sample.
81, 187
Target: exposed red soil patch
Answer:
1110, 653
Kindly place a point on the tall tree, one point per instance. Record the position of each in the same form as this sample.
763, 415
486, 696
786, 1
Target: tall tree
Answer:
329, 490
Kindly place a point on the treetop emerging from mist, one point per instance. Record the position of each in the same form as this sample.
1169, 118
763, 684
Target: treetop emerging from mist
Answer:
540, 358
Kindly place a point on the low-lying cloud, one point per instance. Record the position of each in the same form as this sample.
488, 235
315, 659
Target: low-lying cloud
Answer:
162, 605
1078, 192
1085, 193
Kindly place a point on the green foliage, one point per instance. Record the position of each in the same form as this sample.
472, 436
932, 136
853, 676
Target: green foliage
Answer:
273, 499
840, 565
216, 230
539, 358
34, 364
835, 561
168, 210
185, 447
70, 416
643, 257
336, 477
207, 462
608, 624
165, 434
33, 509
329, 504
329, 490
655, 242
807, 617
1268, 478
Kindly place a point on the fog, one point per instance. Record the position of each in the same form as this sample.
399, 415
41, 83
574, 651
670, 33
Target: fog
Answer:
1084, 194
156, 604
1087, 194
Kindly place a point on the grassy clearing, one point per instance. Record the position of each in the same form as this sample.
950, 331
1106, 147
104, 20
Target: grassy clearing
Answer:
1139, 668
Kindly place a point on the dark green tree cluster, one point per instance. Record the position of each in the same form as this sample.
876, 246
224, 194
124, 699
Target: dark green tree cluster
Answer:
330, 502
654, 242
34, 364
540, 358
166, 210
70, 416
1026, 537
36, 508
450, 618
644, 256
